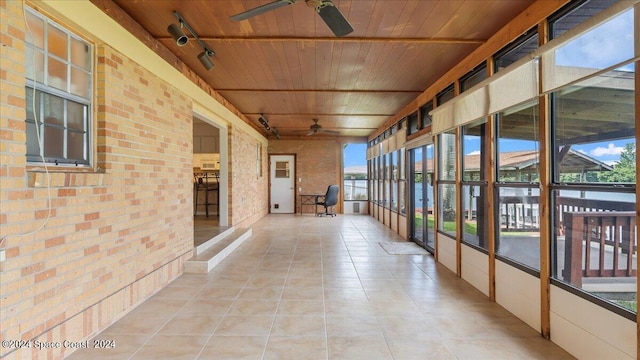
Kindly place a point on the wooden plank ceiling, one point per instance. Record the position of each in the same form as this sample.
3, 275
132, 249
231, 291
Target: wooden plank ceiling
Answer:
288, 65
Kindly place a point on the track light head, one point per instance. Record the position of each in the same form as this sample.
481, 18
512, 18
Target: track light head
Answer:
205, 60
177, 34
276, 133
264, 122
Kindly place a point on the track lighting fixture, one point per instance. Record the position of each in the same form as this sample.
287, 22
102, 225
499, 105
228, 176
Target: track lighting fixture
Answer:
264, 122
276, 133
177, 34
181, 40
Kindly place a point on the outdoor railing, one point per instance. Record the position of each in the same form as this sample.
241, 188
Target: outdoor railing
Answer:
599, 244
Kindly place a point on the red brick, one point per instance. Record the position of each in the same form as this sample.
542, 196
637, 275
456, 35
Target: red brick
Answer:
54, 242
45, 275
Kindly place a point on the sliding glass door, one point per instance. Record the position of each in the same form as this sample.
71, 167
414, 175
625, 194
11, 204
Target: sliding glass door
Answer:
421, 201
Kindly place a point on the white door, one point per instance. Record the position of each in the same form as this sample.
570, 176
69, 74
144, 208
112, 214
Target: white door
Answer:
282, 184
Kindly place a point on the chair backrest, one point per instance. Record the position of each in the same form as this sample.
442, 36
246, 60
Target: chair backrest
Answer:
331, 197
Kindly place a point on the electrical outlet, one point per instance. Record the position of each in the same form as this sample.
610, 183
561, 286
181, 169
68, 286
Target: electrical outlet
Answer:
3, 255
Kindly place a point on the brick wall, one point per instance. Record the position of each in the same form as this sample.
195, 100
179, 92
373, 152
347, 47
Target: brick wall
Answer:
248, 192
116, 235
317, 163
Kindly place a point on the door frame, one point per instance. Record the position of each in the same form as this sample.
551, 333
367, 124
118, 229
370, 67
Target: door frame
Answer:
223, 186
425, 201
295, 172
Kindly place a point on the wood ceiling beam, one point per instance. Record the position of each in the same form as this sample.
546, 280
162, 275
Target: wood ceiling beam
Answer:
324, 91
335, 39
316, 114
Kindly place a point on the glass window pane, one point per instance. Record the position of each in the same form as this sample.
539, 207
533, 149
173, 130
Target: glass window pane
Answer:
53, 109
518, 144
473, 77
447, 210
34, 60
402, 193
578, 15
472, 147
595, 246
413, 126
475, 215
35, 30
520, 48
401, 165
424, 114
53, 142
33, 147
80, 55
76, 114
57, 74
447, 164
57, 42
394, 195
594, 130
80, 83
445, 95
519, 231
75, 146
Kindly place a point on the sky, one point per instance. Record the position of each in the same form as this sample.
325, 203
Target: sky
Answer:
355, 155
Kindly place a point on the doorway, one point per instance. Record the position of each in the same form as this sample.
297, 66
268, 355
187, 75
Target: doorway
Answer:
282, 184
421, 167
210, 155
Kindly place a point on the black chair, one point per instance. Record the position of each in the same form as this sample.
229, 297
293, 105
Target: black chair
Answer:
330, 199
206, 183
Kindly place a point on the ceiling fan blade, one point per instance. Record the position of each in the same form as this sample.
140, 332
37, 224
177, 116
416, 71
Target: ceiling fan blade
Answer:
334, 19
329, 131
262, 9
312, 132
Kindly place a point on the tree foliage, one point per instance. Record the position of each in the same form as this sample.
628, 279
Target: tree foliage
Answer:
624, 171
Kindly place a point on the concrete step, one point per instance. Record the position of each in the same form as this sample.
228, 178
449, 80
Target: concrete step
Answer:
204, 261
221, 234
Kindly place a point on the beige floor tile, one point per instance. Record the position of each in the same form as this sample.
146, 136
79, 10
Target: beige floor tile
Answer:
419, 348
297, 347
171, 347
315, 281
353, 326
138, 323
234, 348
302, 293
536, 348
206, 306
348, 308
245, 325
358, 348
345, 294
178, 292
480, 349
191, 324
301, 308
298, 326
158, 305
261, 293
254, 307
265, 281
218, 293
399, 327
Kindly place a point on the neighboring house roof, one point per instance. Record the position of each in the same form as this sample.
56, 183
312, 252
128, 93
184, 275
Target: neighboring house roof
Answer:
574, 161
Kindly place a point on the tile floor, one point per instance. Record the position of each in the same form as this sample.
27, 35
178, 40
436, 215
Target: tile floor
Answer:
321, 288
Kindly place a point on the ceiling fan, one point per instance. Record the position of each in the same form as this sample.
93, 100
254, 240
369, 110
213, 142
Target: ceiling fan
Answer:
317, 128
325, 8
